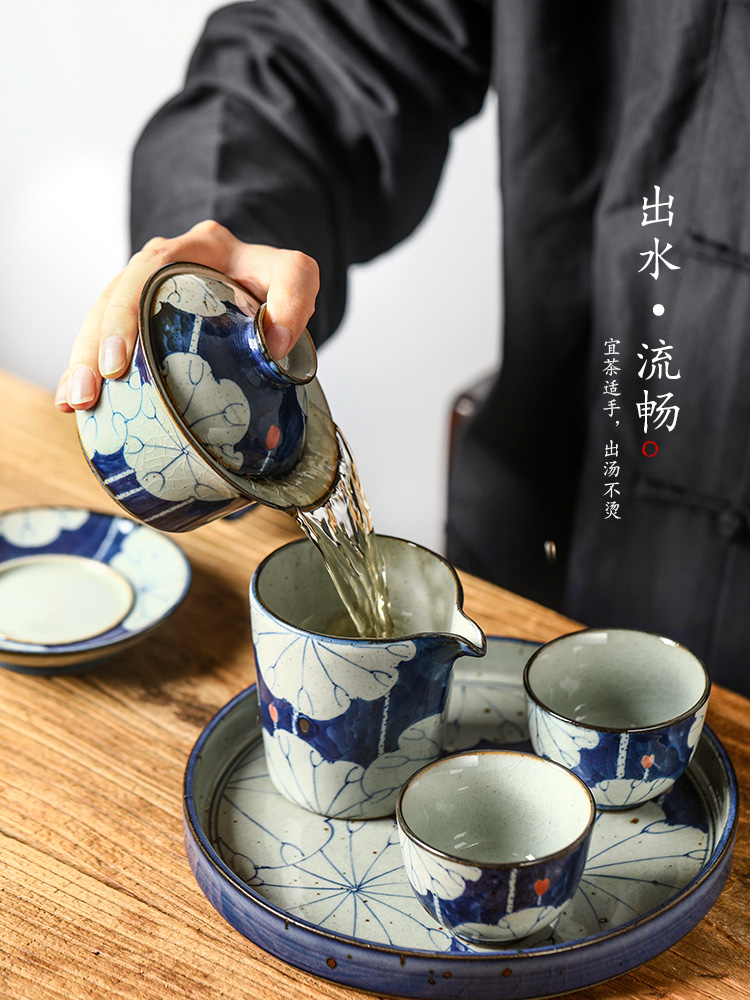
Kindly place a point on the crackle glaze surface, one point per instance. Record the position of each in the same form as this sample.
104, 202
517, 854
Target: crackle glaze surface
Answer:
622, 709
143, 459
494, 842
203, 423
332, 897
321, 694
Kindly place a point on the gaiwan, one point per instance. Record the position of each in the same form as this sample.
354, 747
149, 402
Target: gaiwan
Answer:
206, 421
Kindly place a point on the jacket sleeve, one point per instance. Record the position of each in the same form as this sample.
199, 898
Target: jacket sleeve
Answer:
318, 125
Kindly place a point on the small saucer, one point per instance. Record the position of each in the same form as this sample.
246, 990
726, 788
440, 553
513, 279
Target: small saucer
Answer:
77, 587
58, 599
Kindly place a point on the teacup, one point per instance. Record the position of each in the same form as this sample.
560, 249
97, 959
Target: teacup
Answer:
347, 720
494, 842
623, 709
205, 422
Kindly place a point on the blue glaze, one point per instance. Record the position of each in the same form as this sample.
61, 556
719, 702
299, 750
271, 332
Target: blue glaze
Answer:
347, 720
420, 692
486, 901
668, 747
636, 760
494, 843
225, 772
204, 422
621, 770
145, 461
155, 567
230, 346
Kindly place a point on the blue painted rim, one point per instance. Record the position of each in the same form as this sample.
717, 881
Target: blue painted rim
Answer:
655, 727
534, 972
456, 859
82, 655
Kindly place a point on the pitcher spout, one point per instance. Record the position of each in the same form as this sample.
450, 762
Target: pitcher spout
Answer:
429, 587
469, 637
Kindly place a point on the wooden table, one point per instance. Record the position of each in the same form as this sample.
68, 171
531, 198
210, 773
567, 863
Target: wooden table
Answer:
96, 896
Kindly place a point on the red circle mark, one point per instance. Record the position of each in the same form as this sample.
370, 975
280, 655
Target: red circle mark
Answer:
656, 448
273, 437
541, 885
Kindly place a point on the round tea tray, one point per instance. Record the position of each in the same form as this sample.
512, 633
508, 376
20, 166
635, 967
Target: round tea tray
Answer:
330, 896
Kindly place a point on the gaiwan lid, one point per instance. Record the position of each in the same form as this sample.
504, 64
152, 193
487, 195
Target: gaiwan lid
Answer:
263, 424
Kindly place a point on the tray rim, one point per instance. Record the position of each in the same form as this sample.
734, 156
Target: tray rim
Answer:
716, 870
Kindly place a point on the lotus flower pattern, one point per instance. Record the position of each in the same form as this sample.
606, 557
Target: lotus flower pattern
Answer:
569, 740
438, 877
346, 877
40, 527
343, 787
215, 410
104, 429
327, 674
520, 925
164, 463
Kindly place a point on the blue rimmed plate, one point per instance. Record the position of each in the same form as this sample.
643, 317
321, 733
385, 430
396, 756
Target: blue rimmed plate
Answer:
77, 587
330, 896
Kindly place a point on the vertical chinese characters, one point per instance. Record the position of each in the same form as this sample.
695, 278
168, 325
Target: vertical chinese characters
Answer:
611, 480
611, 451
656, 410
659, 411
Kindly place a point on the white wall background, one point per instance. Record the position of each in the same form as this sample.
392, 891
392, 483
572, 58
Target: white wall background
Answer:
79, 80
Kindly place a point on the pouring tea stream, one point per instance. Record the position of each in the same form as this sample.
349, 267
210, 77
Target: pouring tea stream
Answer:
205, 423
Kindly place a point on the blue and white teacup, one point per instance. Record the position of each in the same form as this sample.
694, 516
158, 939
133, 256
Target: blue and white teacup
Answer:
495, 842
346, 720
623, 709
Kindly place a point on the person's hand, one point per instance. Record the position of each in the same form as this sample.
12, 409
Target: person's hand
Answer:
287, 280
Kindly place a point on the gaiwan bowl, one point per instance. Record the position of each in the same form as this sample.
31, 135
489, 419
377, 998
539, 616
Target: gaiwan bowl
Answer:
205, 421
623, 709
494, 843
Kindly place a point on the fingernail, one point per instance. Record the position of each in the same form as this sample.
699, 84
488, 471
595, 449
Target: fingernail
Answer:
112, 355
81, 386
61, 396
278, 340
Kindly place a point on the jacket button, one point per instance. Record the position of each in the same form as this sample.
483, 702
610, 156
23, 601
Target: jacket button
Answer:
730, 524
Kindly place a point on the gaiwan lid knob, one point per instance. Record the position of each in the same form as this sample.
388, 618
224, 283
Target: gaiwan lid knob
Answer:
204, 335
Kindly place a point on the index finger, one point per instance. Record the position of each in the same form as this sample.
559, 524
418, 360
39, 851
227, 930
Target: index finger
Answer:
287, 279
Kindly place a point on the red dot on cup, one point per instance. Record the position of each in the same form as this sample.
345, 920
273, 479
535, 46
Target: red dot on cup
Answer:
273, 437
658, 309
